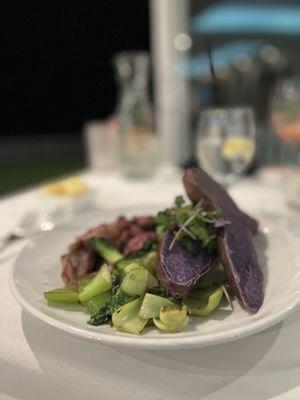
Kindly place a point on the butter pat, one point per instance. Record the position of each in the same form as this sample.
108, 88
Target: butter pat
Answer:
71, 187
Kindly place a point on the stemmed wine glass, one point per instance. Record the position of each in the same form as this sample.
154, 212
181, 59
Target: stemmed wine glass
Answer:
285, 116
226, 142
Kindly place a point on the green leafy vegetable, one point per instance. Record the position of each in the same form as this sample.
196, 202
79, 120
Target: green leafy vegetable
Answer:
62, 296
101, 317
172, 319
126, 312
117, 299
134, 326
158, 290
152, 304
188, 221
120, 298
101, 282
147, 260
137, 280
206, 302
106, 250
127, 319
83, 282
95, 304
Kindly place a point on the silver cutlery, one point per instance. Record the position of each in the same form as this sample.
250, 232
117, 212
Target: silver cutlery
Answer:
26, 227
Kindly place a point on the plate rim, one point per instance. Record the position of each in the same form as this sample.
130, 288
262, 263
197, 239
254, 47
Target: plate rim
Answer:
194, 341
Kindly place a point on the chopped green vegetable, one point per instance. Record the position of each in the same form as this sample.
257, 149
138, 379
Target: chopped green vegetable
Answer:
101, 282
132, 266
126, 312
137, 280
120, 298
135, 325
126, 318
206, 302
106, 250
151, 281
172, 319
62, 296
152, 304
101, 317
149, 323
122, 264
93, 305
158, 290
83, 282
147, 260
179, 201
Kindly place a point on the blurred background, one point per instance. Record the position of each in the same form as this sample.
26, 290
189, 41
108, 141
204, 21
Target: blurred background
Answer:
70, 92
58, 75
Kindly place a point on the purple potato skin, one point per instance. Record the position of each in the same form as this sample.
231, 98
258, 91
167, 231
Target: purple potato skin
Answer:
235, 242
179, 269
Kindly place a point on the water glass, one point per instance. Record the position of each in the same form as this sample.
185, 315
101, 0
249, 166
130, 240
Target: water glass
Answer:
226, 142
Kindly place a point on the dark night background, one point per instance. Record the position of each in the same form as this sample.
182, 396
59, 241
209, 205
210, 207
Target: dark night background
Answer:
56, 75
57, 60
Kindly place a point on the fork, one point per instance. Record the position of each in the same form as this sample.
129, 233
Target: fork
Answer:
24, 228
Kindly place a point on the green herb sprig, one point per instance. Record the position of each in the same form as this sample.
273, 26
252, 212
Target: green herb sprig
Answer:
188, 221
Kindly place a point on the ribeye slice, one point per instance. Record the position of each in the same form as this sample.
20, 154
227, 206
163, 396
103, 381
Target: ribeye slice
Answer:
77, 264
234, 240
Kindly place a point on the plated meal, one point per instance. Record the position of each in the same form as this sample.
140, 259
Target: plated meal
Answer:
160, 271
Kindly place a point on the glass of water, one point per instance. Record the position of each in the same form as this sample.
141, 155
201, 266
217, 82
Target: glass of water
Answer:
226, 142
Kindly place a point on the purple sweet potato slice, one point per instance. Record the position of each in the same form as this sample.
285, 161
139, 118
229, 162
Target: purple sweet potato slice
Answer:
235, 243
179, 269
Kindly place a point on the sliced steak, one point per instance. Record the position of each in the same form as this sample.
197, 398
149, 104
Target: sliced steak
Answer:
77, 264
145, 222
235, 243
138, 242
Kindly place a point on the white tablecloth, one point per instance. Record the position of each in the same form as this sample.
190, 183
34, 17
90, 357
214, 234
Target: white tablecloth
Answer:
40, 362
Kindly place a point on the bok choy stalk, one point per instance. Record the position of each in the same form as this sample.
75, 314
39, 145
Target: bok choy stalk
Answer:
148, 261
93, 305
101, 282
137, 280
172, 319
83, 282
205, 304
118, 299
62, 296
152, 305
126, 318
106, 250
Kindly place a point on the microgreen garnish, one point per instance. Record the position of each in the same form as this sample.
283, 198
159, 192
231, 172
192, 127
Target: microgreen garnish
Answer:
189, 221
227, 296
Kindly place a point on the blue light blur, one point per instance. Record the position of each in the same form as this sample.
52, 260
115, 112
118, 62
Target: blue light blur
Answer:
248, 19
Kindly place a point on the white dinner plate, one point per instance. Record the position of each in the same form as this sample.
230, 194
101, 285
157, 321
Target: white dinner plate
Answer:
37, 269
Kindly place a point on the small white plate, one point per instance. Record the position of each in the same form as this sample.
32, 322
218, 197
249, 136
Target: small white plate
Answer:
37, 269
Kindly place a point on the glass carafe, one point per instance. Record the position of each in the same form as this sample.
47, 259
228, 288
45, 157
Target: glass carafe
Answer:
138, 141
